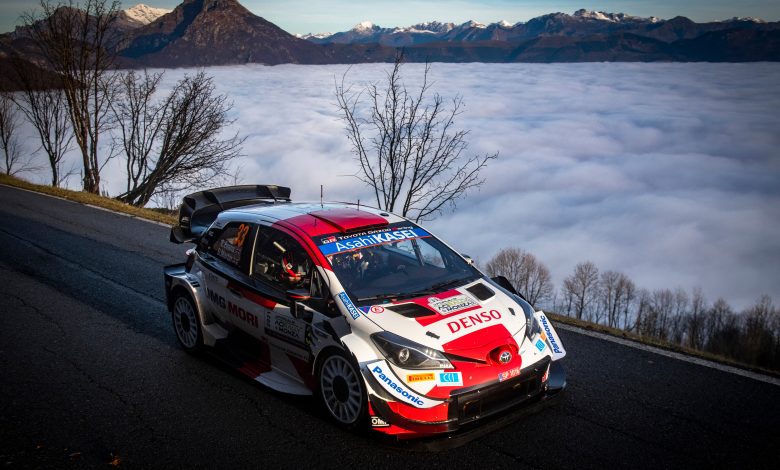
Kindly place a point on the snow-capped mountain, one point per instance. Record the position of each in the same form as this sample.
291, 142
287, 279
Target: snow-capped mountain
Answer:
141, 14
145, 14
612, 17
219, 32
581, 24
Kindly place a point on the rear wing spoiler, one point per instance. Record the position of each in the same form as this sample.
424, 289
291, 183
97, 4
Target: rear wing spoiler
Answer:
199, 210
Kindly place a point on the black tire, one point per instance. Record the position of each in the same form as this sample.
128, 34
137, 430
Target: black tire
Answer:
341, 390
186, 323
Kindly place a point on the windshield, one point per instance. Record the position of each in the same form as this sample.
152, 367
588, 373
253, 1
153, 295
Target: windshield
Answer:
397, 261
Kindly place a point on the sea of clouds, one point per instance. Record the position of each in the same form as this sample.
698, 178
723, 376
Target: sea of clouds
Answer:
668, 172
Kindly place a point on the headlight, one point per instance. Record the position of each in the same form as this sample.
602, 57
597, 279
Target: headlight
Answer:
532, 327
408, 354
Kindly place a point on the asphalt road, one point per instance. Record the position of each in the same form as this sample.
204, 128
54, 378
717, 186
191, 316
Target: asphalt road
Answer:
91, 371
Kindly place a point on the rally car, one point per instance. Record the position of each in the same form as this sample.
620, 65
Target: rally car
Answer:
386, 324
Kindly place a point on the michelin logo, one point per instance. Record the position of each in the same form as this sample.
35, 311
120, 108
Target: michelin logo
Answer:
397, 389
550, 335
353, 312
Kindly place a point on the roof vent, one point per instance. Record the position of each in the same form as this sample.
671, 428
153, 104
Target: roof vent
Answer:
481, 291
410, 310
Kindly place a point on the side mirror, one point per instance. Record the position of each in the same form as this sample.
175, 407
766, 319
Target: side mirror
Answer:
298, 311
504, 282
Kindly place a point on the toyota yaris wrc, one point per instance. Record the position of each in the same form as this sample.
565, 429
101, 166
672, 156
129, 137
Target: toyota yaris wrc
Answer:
382, 321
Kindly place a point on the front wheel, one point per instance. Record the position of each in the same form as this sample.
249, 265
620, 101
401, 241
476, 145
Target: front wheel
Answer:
186, 323
342, 390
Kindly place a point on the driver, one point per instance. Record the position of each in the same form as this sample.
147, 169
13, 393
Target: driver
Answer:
293, 268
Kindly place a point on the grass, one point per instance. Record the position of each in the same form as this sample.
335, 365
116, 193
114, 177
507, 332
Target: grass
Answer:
166, 217
156, 215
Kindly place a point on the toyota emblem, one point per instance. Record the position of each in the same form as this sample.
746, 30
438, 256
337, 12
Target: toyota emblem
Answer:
505, 357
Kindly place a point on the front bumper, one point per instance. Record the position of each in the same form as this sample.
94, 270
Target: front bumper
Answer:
466, 408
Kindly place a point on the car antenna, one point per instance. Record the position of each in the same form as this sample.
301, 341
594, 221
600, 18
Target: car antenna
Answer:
321, 196
358, 204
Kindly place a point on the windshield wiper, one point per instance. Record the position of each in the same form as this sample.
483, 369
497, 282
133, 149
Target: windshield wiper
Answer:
444, 284
380, 297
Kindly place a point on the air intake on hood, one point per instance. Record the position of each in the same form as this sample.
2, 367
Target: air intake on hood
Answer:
481, 291
410, 310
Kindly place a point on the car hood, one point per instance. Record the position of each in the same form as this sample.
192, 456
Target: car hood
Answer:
471, 321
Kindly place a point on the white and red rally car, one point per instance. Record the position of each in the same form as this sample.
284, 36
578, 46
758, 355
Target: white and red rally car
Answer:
388, 325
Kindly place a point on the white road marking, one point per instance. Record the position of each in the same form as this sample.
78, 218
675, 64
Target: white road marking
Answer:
674, 355
123, 214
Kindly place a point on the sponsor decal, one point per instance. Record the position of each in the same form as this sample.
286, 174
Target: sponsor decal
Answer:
330, 239
451, 304
377, 422
540, 345
285, 327
413, 378
216, 299
232, 308
364, 309
449, 379
243, 230
377, 309
396, 389
353, 312
229, 252
242, 314
510, 374
341, 245
550, 336
469, 321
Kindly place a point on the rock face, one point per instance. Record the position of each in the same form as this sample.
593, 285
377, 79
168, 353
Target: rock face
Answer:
214, 32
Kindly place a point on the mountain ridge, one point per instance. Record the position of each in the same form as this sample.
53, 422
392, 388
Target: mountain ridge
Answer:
199, 33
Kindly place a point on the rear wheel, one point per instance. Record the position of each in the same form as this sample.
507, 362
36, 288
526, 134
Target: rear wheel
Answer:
186, 323
342, 390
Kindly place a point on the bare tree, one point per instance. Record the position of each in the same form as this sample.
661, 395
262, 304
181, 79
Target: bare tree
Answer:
175, 143
759, 340
529, 276
72, 39
9, 124
696, 319
581, 288
617, 292
642, 324
409, 151
46, 109
723, 329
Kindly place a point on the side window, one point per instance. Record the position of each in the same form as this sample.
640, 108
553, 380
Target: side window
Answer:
229, 245
280, 261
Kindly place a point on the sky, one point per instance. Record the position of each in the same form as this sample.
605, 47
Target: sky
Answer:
668, 172
304, 16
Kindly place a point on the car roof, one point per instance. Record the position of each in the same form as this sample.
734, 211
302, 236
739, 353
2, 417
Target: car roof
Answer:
315, 218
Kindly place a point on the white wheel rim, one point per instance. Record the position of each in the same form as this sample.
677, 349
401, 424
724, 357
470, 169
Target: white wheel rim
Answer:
186, 322
340, 388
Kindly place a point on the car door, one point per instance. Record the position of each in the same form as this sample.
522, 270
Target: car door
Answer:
281, 264
225, 260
